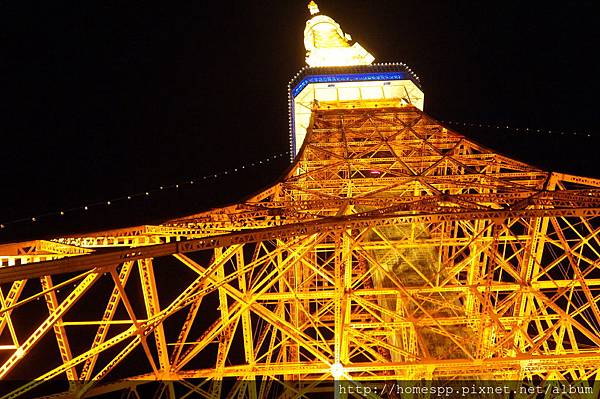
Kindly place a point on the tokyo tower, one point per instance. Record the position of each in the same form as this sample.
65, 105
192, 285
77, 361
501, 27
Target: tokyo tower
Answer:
394, 251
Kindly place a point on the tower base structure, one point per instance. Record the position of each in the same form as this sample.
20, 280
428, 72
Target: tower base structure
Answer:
395, 254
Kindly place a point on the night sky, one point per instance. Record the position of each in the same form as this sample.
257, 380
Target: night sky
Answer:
101, 100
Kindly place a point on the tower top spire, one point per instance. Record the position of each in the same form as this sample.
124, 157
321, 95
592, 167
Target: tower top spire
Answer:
327, 45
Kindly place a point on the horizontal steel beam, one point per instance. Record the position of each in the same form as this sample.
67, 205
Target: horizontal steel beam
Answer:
85, 262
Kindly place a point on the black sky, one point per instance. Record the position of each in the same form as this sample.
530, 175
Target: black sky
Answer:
102, 99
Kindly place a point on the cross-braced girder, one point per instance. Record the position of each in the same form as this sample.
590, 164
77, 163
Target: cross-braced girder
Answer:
394, 249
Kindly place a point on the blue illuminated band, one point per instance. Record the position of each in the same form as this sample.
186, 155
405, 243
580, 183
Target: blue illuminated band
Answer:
355, 77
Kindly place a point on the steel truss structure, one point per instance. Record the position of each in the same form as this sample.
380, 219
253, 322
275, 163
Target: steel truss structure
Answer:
393, 249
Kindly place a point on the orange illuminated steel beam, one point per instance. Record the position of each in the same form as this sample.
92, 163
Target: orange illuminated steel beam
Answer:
331, 224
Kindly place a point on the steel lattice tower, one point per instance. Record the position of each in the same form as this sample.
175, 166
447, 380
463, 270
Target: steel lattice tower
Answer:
395, 249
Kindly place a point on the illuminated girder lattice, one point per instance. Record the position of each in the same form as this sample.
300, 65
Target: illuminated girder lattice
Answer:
394, 249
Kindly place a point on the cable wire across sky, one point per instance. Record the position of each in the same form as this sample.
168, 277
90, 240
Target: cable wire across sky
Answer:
148, 193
